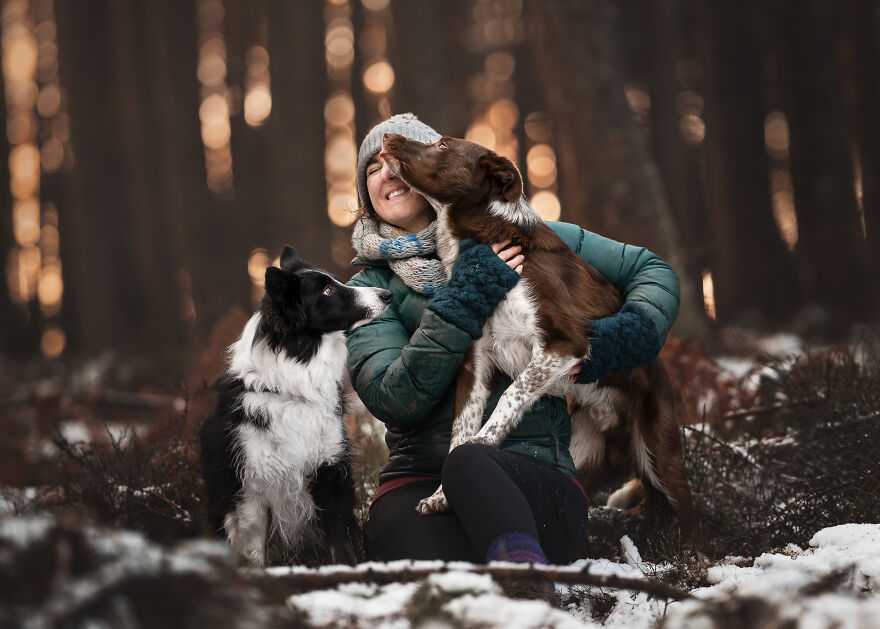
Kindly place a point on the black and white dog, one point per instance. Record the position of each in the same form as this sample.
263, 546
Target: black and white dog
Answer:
274, 447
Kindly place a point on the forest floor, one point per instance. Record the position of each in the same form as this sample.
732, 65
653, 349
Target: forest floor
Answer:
102, 521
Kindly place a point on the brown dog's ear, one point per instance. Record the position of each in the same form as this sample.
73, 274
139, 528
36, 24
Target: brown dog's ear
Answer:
502, 171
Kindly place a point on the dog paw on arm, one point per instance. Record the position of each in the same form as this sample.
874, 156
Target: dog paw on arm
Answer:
479, 281
620, 342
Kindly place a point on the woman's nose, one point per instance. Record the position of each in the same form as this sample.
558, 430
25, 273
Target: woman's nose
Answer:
387, 173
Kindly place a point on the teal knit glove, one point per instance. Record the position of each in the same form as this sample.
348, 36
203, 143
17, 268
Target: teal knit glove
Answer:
620, 343
479, 281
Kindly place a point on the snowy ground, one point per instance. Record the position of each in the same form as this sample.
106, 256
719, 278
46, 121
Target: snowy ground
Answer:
833, 583
95, 577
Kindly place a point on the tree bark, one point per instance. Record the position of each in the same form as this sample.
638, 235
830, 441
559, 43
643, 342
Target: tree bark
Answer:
830, 252
196, 225
90, 232
430, 70
12, 316
752, 269
296, 131
861, 45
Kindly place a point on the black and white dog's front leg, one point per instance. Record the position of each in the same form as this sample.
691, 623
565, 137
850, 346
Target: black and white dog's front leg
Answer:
467, 422
246, 528
332, 490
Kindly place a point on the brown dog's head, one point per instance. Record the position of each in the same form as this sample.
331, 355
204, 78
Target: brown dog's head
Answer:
452, 172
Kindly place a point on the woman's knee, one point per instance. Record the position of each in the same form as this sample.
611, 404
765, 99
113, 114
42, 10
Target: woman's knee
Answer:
464, 462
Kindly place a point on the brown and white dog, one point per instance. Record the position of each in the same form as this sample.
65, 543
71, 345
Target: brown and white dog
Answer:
540, 331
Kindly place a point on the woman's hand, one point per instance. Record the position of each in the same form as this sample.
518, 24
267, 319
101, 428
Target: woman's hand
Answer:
511, 255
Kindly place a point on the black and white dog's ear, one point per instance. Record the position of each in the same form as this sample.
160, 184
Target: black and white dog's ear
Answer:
290, 260
280, 286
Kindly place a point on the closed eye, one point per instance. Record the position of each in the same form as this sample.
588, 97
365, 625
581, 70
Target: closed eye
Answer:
328, 290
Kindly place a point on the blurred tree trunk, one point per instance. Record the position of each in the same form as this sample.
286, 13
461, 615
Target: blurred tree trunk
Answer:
251, 162
664, 27
141, 135
364, 113
830, 250
430, 69
93, 226
211, 258
296, 130
11, 315
861, 45
752, 270
606, 173
122, 240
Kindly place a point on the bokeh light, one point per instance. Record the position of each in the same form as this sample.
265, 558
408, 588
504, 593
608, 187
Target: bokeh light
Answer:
341, 208
539, 126
503, 114
52, 342
639, 101
547, 205
258, 261
499, 66
709, 294
541, 165
26, 222
784, 213
339, 109
776, 135
257, 105
692, 128
379, 77
375, 5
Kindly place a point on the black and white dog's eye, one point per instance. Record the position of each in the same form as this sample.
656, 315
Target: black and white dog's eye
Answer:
328, 291
442, 145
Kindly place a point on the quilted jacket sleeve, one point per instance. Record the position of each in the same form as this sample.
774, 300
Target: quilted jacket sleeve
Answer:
638, 274
401, 378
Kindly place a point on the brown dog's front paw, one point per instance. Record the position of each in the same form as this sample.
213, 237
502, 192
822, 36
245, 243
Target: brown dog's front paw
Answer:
433, 505
483, 440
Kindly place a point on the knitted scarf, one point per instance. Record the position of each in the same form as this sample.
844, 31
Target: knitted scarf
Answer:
412, 257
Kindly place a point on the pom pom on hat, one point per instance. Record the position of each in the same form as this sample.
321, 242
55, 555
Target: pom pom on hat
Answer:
406, 125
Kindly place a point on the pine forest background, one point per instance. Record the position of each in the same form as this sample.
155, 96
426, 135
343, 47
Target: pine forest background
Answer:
161, 152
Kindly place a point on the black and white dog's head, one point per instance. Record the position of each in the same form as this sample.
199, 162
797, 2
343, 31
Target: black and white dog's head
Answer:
303, 302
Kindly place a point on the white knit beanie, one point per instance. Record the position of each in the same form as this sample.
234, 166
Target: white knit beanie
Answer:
406, 125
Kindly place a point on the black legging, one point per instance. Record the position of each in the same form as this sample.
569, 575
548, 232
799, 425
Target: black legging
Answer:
491, 492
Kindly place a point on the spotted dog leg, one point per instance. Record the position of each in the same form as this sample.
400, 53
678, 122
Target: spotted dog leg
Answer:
536, 378
476, 374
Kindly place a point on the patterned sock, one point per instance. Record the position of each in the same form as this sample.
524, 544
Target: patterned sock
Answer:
516, 548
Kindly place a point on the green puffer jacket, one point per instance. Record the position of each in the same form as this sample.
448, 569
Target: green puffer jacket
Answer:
403, 364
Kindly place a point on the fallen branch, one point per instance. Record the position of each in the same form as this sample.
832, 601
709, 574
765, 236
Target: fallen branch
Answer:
316, 580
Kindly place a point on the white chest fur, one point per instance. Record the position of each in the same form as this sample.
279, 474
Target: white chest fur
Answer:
296, 401
299, 437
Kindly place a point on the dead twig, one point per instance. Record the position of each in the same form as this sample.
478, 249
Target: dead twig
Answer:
315, 580
766, 410
181, 512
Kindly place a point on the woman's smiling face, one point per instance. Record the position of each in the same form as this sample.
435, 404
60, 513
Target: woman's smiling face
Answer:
392, 199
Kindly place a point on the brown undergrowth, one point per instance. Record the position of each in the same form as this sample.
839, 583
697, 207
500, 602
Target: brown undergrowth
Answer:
769, 464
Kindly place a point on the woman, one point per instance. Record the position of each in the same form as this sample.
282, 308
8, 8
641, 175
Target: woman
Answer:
520, 502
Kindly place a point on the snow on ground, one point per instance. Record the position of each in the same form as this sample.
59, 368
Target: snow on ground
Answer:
834, 583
